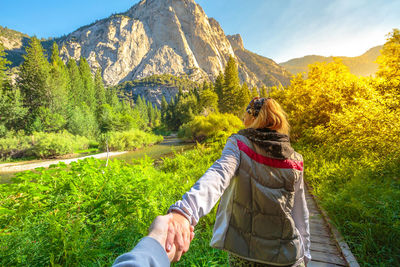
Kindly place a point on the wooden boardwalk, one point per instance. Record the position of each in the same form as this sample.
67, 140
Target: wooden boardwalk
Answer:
328, 248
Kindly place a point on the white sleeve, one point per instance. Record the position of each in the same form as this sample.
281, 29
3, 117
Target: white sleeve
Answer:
300, 216
204, 194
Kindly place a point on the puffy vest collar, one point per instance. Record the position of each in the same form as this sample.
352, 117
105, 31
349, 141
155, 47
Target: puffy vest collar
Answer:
275, 145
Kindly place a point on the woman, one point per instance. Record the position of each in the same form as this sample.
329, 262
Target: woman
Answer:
262, 218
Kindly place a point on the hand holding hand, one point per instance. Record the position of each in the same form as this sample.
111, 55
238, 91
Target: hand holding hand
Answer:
180, 233
159, 229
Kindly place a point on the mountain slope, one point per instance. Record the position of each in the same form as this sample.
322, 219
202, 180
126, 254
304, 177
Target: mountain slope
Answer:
267, 71
363, 65
157, 37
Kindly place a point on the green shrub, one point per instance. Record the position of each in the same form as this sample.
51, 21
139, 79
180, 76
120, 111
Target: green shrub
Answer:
215, 125
49, 145
15, 146
41, 145
129, 140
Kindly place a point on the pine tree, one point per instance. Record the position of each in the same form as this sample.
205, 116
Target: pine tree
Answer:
88, 83
34, 78
245, 96
141, 106
59, 82
11, 105
4, 81
208, 100
263, 91
254, 92
151, 114
157, 116
164, 107
112, 97
231, 93
218, 88
76, 88
100, 91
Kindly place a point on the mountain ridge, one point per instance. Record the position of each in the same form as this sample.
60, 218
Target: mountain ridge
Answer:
363, 65
156, 37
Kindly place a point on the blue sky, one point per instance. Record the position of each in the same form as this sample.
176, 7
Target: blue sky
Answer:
278, 29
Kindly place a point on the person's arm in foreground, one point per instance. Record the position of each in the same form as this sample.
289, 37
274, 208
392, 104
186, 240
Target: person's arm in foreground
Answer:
300, 216
202, 197
150, 251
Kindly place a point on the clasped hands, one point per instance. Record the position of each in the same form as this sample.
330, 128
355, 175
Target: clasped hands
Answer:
174, 233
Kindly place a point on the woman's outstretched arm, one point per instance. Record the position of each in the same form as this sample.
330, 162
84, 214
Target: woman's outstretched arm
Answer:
204, 194
202, 197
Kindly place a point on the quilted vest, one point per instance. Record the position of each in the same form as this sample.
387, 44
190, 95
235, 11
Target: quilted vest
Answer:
254, 215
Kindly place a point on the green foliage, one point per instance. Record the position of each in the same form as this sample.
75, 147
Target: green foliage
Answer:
129, 140
34, 78
100, 91
40, 144
209, 100
11, 110
362, 197
15, 145
87, 214
232, 97
59, 80
3, 68
50, 145
50, 121
166, 80
82, 121
76, 87
389, 61
89, 95
215, 126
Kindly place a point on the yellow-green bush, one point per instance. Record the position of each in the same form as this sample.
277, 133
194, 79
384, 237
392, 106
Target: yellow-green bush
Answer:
41, 145
14, 145
215, 125
49, 145
129, 140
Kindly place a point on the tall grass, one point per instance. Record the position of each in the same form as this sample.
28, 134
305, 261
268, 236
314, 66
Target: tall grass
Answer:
87, 214
362, 197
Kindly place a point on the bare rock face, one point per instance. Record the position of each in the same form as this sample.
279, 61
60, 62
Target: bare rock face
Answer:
155, 37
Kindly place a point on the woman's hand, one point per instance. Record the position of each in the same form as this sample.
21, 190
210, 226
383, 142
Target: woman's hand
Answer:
180, 233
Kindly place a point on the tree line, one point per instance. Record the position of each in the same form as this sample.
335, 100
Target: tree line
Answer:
224, 95
50, 96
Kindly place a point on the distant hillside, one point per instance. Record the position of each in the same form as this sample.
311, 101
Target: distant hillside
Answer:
363, 65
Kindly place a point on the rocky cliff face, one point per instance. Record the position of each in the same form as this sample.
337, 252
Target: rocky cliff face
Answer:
156, 37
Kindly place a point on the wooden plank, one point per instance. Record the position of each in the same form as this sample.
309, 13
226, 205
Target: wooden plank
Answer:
324, 248
320, 233
322, 240
320, 264
328, 258
345, 252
